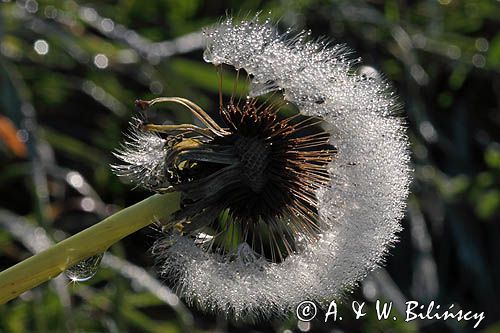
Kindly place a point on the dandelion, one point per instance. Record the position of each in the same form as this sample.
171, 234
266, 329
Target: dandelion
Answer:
274, 209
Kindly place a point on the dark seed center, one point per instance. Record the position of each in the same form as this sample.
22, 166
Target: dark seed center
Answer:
256, 183
254, 159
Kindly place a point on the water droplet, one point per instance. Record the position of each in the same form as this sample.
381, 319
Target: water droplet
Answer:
75, 179
482, 44
156, 87
88, 14
31, 6
88, 204
101, 61
478, 60
50, 12
107, 25
41, 47
85, 269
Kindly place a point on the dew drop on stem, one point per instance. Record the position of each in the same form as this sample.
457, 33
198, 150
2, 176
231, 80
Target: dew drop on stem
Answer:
85, 269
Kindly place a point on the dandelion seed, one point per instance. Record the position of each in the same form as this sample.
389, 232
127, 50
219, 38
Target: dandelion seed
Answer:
276, 210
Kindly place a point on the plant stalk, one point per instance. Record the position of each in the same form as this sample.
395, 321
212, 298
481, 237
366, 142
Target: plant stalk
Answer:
48, 264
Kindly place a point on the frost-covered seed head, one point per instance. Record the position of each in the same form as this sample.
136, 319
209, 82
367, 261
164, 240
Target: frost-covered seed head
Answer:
264, 228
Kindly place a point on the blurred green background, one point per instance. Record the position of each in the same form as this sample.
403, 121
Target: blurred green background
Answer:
70, 71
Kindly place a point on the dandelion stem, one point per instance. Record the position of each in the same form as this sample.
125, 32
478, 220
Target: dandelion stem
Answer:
91, 241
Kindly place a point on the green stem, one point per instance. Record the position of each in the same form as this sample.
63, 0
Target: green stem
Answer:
48, 264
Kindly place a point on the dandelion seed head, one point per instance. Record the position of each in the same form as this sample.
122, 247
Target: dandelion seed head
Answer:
355, 200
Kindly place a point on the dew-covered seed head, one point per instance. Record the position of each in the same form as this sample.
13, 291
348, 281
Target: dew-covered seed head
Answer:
277, 210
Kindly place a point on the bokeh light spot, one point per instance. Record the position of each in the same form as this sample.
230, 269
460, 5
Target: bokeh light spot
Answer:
41, 47
101, 61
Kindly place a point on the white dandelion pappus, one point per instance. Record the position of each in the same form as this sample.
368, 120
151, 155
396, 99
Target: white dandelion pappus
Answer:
144, 155
358, 208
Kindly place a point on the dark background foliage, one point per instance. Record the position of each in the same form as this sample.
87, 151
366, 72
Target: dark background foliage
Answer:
70, 71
